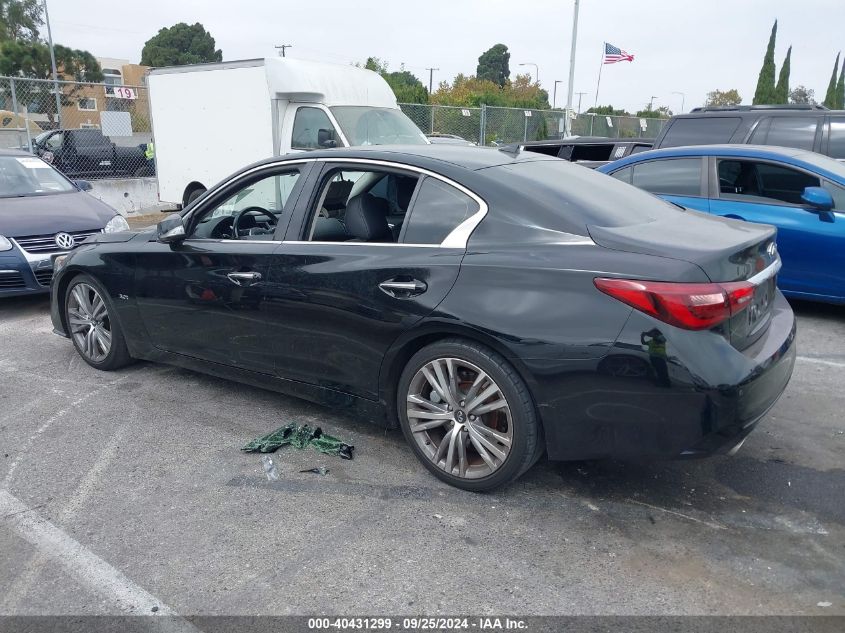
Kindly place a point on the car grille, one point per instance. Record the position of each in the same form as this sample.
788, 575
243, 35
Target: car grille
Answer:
44, 277
10, 280
47, 243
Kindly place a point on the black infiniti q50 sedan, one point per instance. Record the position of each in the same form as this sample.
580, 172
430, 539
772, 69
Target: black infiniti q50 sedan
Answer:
493, 305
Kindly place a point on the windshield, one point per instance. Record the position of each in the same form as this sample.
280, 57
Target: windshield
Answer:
363, 125
30, 176
823, 162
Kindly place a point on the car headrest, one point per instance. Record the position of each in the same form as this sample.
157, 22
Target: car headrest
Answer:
366, 219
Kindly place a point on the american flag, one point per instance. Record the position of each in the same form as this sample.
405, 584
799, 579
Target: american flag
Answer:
613, 54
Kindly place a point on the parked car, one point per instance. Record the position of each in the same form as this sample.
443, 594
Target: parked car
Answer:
448, 139
87, 153
283, 105
800, 192
42, 213
588, 151
467, 295
809, 127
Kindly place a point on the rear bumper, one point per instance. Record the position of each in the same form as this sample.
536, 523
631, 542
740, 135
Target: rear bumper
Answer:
700, 397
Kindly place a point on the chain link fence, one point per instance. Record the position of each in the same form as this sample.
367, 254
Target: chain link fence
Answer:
86, 130
488, 125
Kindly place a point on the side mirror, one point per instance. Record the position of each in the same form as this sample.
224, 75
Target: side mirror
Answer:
83, 185
817, 198
171, 229
325, 138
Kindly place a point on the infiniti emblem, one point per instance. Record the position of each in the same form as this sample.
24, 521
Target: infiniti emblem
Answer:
65, 241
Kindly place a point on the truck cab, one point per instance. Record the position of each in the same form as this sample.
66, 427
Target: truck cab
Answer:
210, 120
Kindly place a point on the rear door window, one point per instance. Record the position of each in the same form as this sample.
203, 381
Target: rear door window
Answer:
709, 130
623, 174
787, 131
836, 146
437, 211
674, 176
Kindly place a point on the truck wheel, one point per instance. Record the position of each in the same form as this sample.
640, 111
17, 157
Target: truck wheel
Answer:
196, 193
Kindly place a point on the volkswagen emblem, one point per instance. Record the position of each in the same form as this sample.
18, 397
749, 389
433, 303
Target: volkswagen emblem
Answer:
772, 249
64, 241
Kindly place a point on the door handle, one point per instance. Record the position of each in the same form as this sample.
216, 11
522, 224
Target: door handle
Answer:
245, 278
402, 288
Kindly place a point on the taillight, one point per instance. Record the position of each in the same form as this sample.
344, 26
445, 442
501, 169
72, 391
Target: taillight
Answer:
692, 306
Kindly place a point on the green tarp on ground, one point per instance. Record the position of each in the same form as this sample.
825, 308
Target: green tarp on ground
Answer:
300, 436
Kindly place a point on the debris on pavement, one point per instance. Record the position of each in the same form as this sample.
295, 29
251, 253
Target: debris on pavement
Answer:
824, 604
317, 470
270, 468
300, 436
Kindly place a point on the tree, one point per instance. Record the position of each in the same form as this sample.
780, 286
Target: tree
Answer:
830, 96
782, 88
494, 65
32, 60
723, 98
473, 91
840, 89
800, 94
663, 112
20, 20
765, 92
608, 110
180, 44
406, 86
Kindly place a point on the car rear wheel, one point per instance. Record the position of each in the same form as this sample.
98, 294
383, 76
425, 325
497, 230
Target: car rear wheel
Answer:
468, 415
93, 328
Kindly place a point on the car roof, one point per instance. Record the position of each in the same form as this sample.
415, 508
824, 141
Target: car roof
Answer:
788, 155
757, 111
464, 156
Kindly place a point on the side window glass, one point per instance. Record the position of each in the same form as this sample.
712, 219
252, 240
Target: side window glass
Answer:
701, 131
838, 194
762, 182
623, 174
312, 129
836, 148
55, 141
790, 131
438, 210
251, 213
677, 176
361, 206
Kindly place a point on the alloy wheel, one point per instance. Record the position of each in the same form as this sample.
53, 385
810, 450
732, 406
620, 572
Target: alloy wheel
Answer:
89, 323
460, 418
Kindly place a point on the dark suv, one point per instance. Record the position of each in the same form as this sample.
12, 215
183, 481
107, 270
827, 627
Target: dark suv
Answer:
809, 127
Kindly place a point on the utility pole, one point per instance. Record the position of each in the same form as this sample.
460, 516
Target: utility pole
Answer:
580, 94
283, 47
569, 94
431, 78
53, 64
651, 103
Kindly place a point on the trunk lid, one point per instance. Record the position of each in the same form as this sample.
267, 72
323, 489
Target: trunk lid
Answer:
726, 250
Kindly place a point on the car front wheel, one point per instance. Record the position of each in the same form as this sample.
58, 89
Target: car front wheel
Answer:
93, 326
468, 415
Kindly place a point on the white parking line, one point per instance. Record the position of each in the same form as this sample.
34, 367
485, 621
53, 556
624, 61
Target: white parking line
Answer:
820, 361
81, 563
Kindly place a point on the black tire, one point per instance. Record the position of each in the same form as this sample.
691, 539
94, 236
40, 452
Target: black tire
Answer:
196, 193
527, 443
118, 354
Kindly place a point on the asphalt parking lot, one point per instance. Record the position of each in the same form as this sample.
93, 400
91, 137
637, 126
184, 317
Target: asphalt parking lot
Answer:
126, 492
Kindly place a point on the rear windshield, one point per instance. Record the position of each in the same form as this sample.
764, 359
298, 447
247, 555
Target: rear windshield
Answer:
579, 197
709, 130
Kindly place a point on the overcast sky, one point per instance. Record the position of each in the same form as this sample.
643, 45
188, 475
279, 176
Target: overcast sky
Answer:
680, 46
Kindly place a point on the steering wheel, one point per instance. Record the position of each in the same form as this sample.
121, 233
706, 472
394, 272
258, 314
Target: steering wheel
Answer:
258, 210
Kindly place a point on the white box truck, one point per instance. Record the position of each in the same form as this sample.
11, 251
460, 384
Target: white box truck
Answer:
210, 120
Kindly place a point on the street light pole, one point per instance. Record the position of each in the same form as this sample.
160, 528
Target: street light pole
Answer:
683, 100
569, 94
651, 102
536, 70
53, 65
554, 98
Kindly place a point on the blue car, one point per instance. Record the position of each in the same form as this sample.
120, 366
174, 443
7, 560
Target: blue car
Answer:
799, 192
42, 213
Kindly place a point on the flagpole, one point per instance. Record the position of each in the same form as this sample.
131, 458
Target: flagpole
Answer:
598, 83
568, 121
